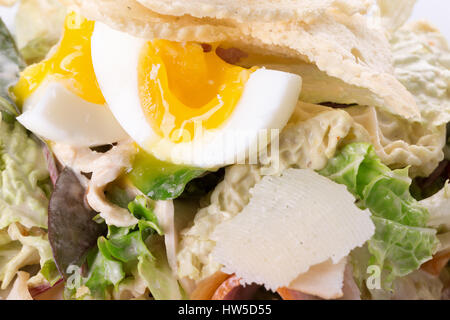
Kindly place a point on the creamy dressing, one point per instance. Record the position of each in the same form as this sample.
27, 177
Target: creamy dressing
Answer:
105, 168
9, 70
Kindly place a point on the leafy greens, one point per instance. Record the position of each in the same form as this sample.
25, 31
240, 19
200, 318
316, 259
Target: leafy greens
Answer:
127, 253
71, 228
10, 65
25, 183
401, 242
160, 180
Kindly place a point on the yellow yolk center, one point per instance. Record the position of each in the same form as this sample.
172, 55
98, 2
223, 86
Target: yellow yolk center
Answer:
70, 65
182, 87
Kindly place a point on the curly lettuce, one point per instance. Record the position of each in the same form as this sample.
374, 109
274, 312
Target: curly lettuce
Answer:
160, 180
126, 255
23, 171
402, 241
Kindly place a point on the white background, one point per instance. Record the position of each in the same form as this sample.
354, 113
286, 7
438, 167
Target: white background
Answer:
435, 11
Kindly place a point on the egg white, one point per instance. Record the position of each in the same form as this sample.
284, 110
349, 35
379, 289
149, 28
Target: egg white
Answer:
57, 114
267, 102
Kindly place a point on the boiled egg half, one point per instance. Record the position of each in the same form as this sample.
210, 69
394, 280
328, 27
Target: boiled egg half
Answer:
183, 104
60, 97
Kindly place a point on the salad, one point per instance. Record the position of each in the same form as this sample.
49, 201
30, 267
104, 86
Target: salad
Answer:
289, 149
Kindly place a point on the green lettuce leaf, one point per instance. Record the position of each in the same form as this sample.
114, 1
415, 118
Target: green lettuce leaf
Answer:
10, 65
417, 285
157, 273
126, 253
398, 204
126, 245
401, 242
50, 272
160, 180
141, 209
23, 169
104, 273
105, 270
400, 249
118, 196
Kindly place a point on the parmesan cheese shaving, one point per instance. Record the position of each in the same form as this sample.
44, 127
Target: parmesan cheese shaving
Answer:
291, 223
325, 280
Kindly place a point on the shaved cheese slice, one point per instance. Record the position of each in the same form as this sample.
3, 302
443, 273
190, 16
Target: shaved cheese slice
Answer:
292, 222
324, 280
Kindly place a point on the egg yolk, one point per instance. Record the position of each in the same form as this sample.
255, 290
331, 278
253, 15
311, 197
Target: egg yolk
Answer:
181, 86
70, 65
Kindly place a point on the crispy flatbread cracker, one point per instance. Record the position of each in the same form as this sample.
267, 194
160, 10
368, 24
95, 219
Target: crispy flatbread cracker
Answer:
253, 10
347, 49
314, 80
131, 17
